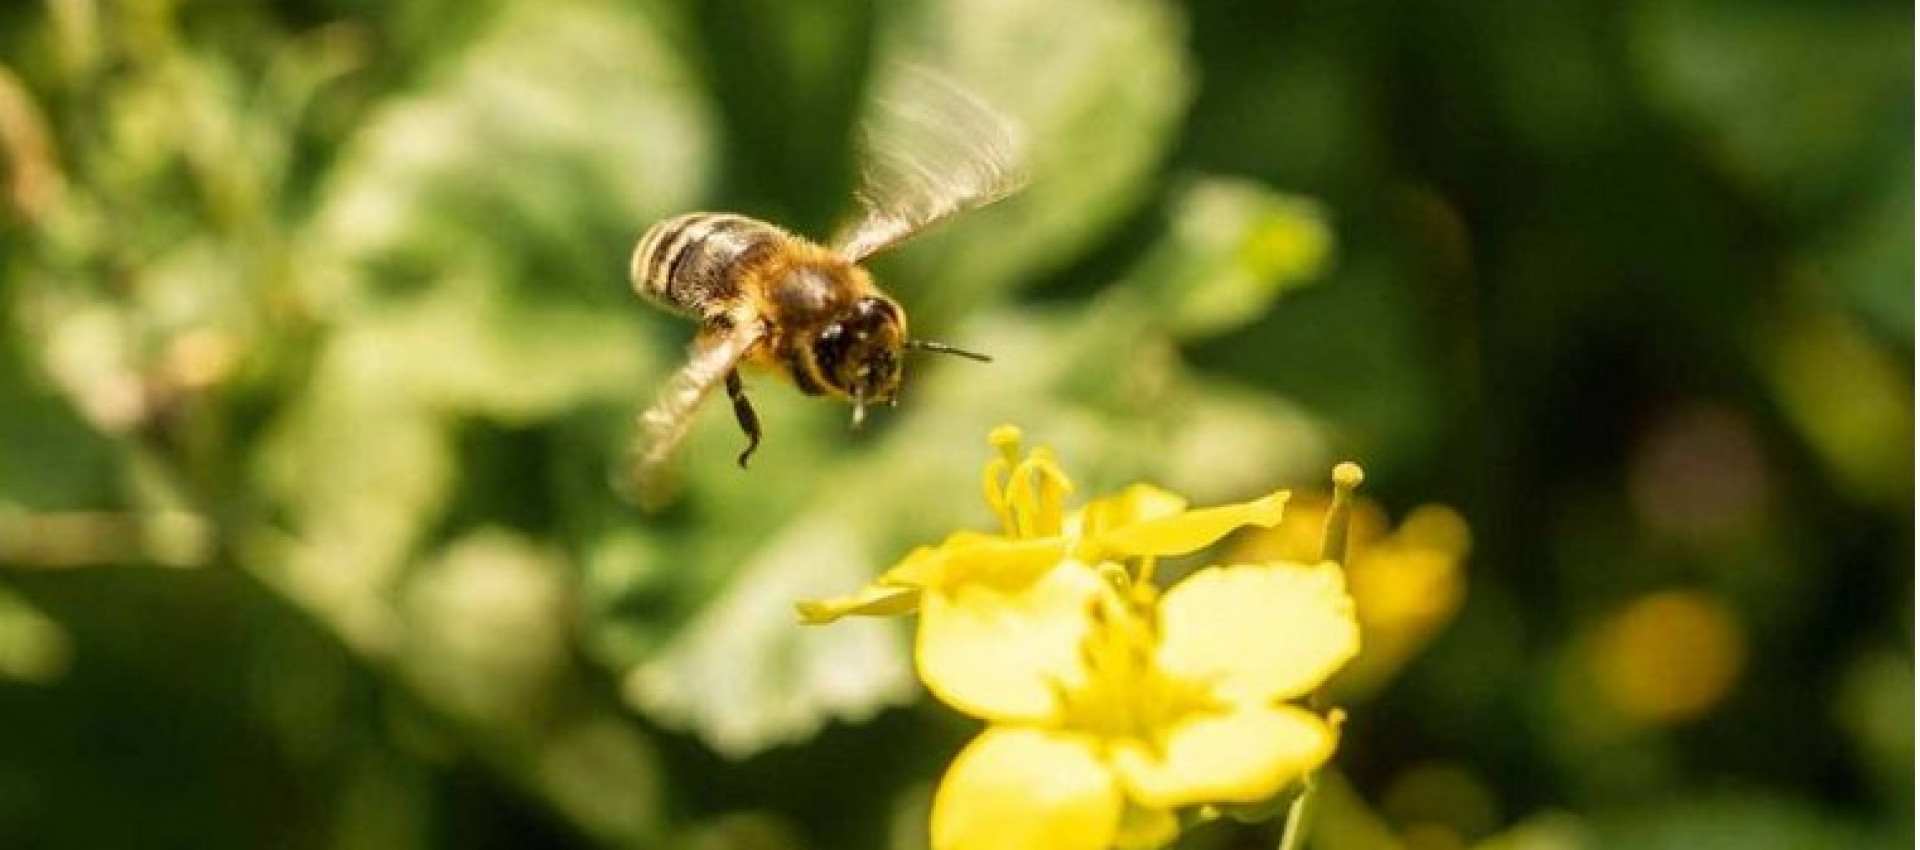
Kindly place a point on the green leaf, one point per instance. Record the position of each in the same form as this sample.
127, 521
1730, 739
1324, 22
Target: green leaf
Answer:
560, 134
1807, 105
464, 251
746, 675
357, 471
510, 360
1098, 88
1806, 108
1234, 247
486, 626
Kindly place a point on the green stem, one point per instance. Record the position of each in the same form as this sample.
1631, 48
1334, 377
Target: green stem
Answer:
1297, 817
1333, 547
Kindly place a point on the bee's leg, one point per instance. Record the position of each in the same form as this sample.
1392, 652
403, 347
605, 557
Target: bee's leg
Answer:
743, 413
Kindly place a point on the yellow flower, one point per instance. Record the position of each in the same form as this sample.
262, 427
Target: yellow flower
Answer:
1111, 705
1168, 702
987, 599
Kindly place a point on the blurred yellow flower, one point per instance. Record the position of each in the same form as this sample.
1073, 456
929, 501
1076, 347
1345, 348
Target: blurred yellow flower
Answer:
1668, 657
987, 599
1111, 705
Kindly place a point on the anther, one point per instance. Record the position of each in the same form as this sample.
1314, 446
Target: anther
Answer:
1347, 476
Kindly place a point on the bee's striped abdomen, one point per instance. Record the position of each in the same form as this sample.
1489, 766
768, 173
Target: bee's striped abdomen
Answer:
687, 263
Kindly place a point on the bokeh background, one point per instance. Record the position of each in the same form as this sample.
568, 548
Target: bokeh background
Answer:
318, 370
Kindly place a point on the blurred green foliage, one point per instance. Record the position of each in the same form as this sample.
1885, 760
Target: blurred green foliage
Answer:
319, 364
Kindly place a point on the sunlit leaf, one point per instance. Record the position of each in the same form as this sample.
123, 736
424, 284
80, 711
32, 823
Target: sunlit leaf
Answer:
360, 472
1235, 247
560, 134
486, 625
550, 139
514, 361
1097, 88
746, 676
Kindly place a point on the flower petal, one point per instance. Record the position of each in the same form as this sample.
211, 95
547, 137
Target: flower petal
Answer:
1243, 757
970, 556
1026, 789
1258, 633
960, 559
1189, 531
1001, 653
1138, 503
874, 600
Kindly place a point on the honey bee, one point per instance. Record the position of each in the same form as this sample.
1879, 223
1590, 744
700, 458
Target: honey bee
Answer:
809, 312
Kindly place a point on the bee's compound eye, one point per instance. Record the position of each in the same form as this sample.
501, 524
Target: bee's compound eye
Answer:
830, 350
873, 312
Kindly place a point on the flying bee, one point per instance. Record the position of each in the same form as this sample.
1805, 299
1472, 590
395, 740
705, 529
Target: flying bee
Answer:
811, 312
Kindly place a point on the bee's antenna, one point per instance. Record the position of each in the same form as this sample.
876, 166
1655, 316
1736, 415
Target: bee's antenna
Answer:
943, 348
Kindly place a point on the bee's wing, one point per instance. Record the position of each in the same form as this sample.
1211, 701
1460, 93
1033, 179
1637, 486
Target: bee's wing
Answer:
932, 151
665, 424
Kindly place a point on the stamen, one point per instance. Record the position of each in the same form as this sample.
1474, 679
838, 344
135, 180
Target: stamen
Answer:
1036, 493
993, 484
1006, 438
1147, 563
995, 481
1125, 695
1050, 496
1333, 540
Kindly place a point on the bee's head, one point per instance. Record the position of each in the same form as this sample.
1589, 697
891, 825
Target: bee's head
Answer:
858, 353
